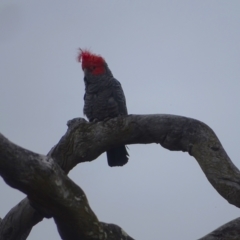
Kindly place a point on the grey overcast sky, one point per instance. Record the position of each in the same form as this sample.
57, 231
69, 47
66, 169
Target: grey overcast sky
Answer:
171, 56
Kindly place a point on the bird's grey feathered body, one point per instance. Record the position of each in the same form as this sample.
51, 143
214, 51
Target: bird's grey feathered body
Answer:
104, 99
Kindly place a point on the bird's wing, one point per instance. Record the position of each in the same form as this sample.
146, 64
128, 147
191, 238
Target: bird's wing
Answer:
119, 97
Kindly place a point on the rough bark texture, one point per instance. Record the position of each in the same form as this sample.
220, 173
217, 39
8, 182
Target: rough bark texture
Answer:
229, 231
19, 221
52, 192
85, 141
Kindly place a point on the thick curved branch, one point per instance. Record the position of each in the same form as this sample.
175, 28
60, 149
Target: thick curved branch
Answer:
86, 141
49, 188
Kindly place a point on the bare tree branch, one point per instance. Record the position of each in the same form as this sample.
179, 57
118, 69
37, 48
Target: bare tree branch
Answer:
86, 141
229, 231
47, 186
19, 221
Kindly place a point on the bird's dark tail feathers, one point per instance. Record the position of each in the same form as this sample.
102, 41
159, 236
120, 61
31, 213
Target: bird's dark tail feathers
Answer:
117, 156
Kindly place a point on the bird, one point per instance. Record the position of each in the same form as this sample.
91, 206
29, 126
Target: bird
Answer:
103, 99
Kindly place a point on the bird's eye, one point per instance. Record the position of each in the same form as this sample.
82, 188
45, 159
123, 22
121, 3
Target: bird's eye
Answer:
92, 68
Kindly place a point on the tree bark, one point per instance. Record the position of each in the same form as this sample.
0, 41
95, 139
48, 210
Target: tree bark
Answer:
18, 223
48, 188
229, 231
85, 141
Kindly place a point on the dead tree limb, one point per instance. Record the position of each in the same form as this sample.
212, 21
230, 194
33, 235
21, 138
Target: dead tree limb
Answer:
48, 187
85, 141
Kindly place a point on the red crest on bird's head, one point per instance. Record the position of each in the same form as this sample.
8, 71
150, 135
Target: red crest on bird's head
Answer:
92, 62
